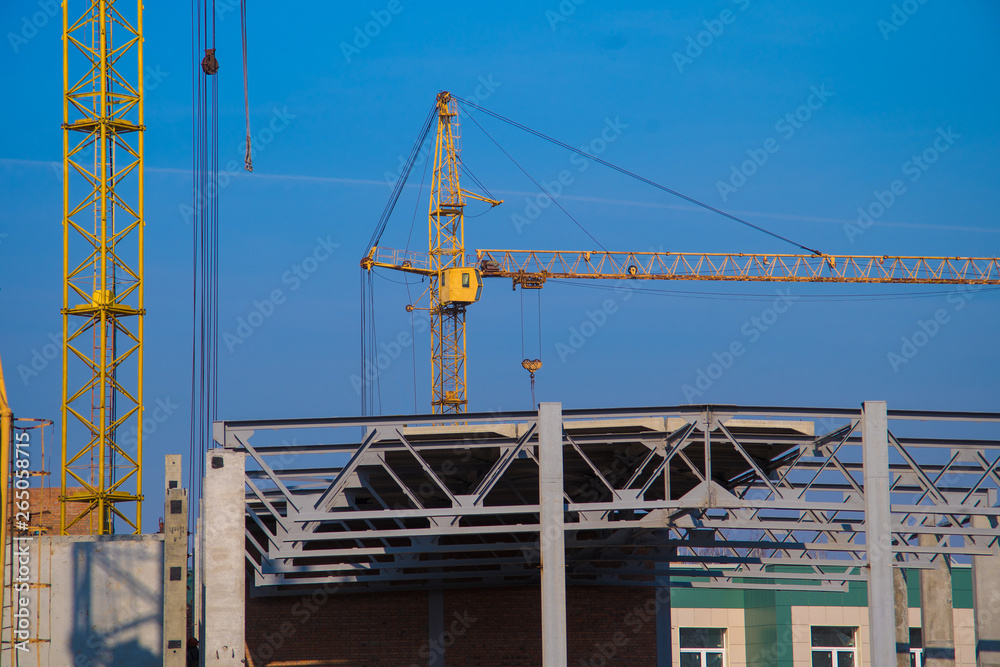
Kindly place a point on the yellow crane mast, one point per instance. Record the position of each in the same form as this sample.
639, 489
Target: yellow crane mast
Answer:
103, 223
452, 284
459, 283
6, 430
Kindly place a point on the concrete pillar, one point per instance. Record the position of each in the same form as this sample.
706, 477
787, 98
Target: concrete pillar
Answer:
552, 542
222, 543
986, 601
175, 542
664, 638
197, 630
435, 628
878, 523
902, 617
936, 615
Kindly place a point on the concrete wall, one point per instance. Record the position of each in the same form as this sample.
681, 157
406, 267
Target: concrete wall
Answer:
99, 602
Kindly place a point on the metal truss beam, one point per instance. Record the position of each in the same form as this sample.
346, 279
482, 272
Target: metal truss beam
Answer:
714, 495
103, 303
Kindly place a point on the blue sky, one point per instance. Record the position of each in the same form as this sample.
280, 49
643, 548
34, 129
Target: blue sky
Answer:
691, 91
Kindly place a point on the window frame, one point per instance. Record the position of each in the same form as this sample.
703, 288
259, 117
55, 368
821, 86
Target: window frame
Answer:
835, 651
703, 653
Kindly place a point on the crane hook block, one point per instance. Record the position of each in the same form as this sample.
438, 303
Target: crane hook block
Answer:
531, 365
209, 64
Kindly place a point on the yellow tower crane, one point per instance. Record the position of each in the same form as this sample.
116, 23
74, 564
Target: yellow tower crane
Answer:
454, 283
102, 263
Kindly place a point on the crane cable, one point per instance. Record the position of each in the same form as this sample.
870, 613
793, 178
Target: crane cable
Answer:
370, 388
537, 184
409, 298
401, 181
205, 246
632, 174
742, 296
532, 365
248, 158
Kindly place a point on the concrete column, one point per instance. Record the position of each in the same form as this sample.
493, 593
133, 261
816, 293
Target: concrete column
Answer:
986, 601
664, 645
223, 557
435, 628
878, 522
199, 568
902, 617
552, 542
936, 615
175, 541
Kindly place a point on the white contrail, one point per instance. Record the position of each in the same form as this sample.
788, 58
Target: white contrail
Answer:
335, 180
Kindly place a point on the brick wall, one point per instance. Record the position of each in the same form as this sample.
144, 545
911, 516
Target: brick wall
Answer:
370, 630
44, 509
483, 627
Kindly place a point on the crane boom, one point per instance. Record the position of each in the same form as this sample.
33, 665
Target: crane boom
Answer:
531, 268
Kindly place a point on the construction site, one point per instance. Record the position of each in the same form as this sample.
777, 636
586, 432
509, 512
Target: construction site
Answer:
720, 403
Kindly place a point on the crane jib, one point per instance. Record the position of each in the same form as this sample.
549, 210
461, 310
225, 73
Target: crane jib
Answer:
531, 269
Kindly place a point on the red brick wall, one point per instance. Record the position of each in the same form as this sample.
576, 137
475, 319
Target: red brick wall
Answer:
369, 630
604, 626
614, 623
484, 627
44, 508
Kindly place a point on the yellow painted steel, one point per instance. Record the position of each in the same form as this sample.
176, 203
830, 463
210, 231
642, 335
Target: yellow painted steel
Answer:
6, 429
446, 250
531, 268
461, 285
533, 265
103, 226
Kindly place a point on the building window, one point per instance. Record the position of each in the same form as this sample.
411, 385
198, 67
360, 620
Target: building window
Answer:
916, 647
703, 647
833, 646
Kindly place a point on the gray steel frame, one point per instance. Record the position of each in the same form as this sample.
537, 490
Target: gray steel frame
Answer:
705, 495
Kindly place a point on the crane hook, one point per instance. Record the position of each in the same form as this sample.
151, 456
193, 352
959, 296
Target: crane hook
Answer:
532, 365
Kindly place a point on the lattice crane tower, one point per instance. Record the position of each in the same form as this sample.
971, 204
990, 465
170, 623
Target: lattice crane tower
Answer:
103, 305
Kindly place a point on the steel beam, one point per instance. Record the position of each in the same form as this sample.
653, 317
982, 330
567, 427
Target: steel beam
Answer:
814, 517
